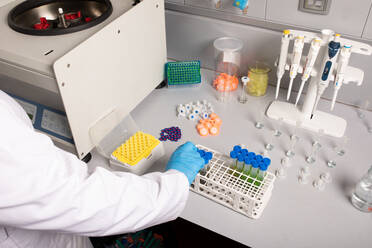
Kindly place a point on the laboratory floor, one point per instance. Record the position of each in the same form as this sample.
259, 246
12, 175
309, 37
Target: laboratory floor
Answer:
190, 235
179, 233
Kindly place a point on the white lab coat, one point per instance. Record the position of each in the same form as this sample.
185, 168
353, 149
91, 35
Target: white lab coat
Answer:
48, 198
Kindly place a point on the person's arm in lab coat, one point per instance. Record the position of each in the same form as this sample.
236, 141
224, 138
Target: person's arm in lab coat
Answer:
45, 188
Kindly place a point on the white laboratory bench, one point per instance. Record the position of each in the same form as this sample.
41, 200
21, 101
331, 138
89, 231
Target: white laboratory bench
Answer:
296, 215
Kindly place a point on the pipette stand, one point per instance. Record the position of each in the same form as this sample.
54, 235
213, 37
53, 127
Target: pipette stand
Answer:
331, 125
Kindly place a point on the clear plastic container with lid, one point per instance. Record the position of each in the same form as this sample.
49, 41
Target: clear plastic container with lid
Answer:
227, 56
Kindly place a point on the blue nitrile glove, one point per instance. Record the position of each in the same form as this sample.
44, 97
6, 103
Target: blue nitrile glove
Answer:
187, 160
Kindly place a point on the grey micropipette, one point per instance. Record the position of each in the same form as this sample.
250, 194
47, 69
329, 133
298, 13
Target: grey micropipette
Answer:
282, 59
310, 61
296, 60
327, 65
341, 67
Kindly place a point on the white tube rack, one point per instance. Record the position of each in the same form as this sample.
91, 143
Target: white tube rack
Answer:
231, 188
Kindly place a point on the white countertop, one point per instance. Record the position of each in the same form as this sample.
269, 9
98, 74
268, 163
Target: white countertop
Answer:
296, 215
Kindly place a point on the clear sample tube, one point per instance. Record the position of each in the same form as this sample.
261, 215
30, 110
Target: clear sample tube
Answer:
233, 157
314, 150
269, 145
361, 113
277, 127
363, 108
293, 141
331, 163
340, 147
259, 121
243, 94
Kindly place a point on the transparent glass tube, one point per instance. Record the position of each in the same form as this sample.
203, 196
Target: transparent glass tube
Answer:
261, 175
314, 150
362, 109
254, 172
362, 115
292, 145
239, 165
270, 144
277, 126
247, 169
243, 94
340, 147
293, 140
259, 121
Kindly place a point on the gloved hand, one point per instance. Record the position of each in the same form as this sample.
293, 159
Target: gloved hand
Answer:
187, 160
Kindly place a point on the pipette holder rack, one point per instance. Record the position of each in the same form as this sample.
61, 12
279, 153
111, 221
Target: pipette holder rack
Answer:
331, 125
231, 188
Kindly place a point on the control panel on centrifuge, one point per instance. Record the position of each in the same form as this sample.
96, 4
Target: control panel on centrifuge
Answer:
50, 121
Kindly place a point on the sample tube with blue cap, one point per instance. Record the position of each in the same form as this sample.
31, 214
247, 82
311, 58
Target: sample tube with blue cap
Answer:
254, 170
244, 152
261, 173
267, 161
233, 157
237, 149
251, 155
201, 152
207, 157
240, 163
258, 158
247, 165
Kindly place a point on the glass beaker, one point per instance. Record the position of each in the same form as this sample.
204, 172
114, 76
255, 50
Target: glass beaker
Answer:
259, 79
227, 56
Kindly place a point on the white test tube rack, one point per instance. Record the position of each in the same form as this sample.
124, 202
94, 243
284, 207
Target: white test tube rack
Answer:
331, 124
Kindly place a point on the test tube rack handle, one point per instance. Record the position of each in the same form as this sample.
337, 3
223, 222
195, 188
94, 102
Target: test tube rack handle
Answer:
331, 124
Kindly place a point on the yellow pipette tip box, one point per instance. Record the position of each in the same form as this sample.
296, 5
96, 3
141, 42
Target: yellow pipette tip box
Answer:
137, 153
136, 148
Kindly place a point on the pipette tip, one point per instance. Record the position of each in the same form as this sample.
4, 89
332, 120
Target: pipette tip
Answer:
289, 89
277, 89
